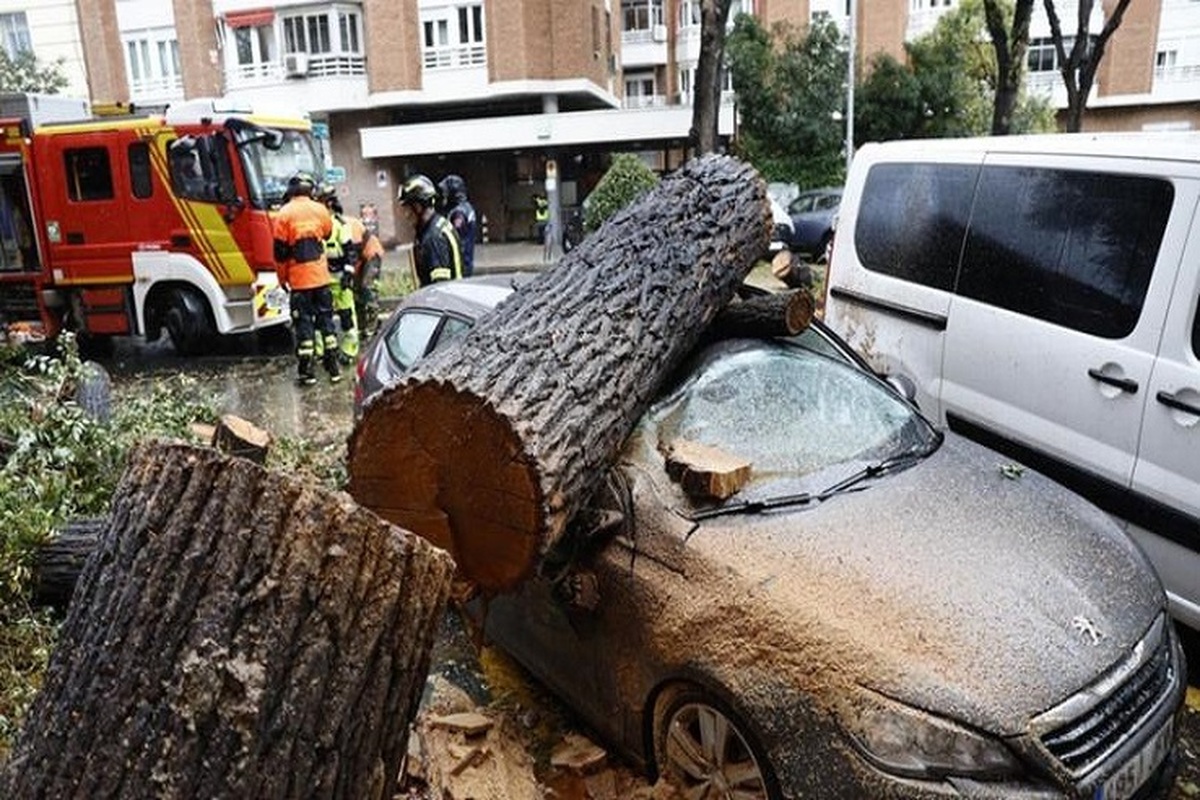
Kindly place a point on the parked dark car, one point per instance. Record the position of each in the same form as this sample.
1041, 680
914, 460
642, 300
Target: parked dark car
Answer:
882, 610
813, 213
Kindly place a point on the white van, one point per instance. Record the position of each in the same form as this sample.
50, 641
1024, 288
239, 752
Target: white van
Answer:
1040, 293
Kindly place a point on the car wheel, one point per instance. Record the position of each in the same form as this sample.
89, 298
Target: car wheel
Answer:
702, 748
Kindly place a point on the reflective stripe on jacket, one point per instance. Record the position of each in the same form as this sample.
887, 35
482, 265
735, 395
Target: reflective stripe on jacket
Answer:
438, 252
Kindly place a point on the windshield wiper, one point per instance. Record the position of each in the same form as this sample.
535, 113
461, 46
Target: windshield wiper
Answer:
898, 461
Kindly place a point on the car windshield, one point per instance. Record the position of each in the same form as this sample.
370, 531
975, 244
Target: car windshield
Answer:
791, 411
268, 169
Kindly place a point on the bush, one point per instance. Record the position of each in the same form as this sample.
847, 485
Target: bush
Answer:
627, 179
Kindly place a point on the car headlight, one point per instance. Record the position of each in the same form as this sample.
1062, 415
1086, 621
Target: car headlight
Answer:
906, 741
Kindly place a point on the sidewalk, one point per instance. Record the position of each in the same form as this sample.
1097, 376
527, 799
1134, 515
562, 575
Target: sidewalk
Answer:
489, 257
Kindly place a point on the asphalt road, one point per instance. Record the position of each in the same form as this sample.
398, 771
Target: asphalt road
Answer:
255, 379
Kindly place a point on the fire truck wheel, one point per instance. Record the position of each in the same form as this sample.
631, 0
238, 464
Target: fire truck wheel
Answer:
188, 323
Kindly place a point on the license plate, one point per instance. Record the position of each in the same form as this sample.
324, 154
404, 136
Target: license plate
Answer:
1125, 782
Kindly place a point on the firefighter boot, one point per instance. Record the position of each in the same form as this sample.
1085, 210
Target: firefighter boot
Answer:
307, 376
330, 359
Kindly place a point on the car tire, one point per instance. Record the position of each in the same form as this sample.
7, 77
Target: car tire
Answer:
688, 725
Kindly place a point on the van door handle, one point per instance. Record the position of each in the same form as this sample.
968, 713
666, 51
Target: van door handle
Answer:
1171, 401
1124, 384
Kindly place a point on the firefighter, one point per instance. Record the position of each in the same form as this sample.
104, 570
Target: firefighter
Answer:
437, 252
300, 229
461, 213
366, 275
342, 253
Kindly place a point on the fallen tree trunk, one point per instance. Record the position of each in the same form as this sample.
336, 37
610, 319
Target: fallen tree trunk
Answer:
762, 315
237, 634
490, 444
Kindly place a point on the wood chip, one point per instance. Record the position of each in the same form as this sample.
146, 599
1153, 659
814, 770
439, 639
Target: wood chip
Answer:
577, 753
705, 471
469, 723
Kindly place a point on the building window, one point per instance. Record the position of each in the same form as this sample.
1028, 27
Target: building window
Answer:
1165, 59
152, 59
453, 36
330, 41
641, 15
689, 14
255, 46
14, 34
1041, 55
639, 90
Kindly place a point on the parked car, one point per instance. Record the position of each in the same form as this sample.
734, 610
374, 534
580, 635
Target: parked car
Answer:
782, 230
1040, 294
813, 213
882, 610
424, 320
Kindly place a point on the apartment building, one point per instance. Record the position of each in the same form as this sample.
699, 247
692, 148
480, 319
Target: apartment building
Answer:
522, 96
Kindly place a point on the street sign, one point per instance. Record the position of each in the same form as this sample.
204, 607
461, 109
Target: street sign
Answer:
335, 174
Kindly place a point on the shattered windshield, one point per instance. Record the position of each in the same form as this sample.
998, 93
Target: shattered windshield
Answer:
268, 170
788, 410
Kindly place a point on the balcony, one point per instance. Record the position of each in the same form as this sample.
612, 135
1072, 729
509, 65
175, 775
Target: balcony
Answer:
645, 101
156, 91
644, 47
330, 81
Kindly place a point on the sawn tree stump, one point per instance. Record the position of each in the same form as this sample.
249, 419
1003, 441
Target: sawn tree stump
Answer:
489, 445
237, 634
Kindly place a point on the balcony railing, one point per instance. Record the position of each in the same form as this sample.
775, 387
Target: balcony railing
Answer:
645, 101
156, 88
463, 55
1185, 74
316, 66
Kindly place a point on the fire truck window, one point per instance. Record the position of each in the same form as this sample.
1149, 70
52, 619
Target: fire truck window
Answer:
189, 177
139, 170
89, 174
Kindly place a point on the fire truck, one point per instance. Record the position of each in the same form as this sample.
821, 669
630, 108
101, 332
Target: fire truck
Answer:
134, 225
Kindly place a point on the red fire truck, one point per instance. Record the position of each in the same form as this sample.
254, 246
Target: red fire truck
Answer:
134, 225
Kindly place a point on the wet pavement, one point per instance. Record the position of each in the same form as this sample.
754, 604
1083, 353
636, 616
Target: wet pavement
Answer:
255, 379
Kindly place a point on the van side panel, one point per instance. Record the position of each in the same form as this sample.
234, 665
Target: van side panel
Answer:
1062, 289
894, 221
1166, 478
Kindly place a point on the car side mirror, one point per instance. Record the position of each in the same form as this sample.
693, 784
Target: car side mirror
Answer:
903, 386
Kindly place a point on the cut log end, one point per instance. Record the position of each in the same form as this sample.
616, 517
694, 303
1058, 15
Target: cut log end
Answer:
705, 471
448, 467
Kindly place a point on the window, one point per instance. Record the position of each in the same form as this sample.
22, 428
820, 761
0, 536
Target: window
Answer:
190, 176
912, 221
689, 14
639, 90
348, 31
1041, 55
641, 15
409, 339
139, 170
89, 174
453, 36
255, 45
1073, 248
307, 34
14, 34
1165, 59
152, 58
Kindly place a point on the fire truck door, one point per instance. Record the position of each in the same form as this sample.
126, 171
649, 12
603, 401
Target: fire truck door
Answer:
85, 200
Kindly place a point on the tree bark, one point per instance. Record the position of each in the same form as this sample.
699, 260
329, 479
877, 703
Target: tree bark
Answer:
1010, 46
774, 314
237, 634
60, 561
1079, 67
489, 445
709, 79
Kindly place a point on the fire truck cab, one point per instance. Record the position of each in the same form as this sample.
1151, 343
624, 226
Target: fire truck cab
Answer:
137, 224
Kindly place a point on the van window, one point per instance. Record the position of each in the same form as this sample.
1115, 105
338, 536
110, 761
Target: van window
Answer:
89, 175
1073, 248
912, 220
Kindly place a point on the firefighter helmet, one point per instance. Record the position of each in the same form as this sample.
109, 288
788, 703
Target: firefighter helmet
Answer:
418, 190
301, 183
453, 190
327, 193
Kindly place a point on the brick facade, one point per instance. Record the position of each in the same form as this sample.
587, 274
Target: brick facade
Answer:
102, 52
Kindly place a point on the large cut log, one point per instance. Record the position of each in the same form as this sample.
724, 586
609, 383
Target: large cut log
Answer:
236, 634
764, 315
488, 446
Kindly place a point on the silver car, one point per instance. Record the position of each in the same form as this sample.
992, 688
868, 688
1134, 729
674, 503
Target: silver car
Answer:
881, 610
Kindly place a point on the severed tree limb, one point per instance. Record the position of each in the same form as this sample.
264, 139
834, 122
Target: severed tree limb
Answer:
762, 315
489, 445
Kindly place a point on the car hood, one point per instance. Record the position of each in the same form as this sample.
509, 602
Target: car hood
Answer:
963, 585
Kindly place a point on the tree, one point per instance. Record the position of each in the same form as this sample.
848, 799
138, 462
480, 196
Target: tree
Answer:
791, 92
1010, 45
1079, 67
627, 179
946, 88
706, 103
23, 73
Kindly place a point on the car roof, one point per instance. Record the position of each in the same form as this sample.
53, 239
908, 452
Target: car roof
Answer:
468, 296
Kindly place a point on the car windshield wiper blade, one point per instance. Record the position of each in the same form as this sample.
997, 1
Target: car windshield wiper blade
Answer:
873, 470
753, 506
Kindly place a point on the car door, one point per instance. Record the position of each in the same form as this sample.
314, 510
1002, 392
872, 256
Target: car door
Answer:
1051, 335
1165, 506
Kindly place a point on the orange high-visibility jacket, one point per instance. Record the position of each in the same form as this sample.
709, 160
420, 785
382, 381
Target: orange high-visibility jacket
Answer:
302, 226
369, 244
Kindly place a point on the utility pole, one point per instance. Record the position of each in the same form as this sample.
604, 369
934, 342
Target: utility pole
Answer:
852, 25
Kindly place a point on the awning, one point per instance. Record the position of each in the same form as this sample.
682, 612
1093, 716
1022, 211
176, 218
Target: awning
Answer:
250, 19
